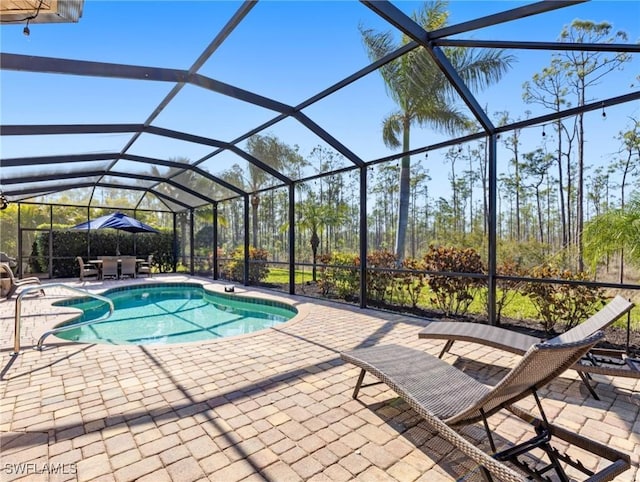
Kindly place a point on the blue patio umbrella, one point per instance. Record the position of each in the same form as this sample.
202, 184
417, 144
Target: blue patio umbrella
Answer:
118, 221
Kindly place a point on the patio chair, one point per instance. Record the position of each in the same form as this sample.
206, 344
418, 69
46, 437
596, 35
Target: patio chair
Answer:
5, 258
87, 269
15, 283
447, 397
519, 343
128, 266
145, 267
109, 267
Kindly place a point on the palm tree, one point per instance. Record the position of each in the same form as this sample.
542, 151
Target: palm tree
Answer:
276, 154
312, 214
612, 233
423, 94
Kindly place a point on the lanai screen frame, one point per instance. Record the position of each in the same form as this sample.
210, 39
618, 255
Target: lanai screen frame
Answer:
431, 41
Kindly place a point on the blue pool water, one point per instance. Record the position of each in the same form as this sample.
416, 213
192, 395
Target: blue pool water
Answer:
171, 313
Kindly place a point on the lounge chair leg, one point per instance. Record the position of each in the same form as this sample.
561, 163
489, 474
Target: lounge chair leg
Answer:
593, 361
585, 380
545, 432
488, 430
447, 347
486, 474
359, 383
540, 441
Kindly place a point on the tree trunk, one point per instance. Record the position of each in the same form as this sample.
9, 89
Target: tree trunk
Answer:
403, 205
485, 191
563, 216
540, 225
580, 200
315, 241
255, 202
517, 174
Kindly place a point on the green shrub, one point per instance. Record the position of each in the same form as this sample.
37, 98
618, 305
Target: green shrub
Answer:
160, 246
453, 295
561, 303
233, 269
507, 290
339, 275
410, 283
380, 284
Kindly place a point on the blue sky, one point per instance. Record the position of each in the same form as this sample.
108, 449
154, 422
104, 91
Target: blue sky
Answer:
285, 50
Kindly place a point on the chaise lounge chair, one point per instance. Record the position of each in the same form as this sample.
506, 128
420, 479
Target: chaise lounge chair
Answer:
17, 283
447, 397
519, 343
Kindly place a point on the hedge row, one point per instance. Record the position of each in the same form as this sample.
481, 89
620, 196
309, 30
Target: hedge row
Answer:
67, 245
555, 303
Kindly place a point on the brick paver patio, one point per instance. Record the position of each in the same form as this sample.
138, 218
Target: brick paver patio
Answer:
274, 405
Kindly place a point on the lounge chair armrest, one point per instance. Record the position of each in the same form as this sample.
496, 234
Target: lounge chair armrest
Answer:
31, 279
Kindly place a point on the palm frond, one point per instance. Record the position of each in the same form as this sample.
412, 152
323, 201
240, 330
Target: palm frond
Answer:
442, 115
392, 129
479, 68
379, 44
432, 15
611, 233
419, 88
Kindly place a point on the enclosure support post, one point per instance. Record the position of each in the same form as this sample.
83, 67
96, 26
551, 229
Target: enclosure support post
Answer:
19, 253
175, 244
191, 242
50, 253
245, 274
215, 240
88, 234
363, 236
493, 230
292, 239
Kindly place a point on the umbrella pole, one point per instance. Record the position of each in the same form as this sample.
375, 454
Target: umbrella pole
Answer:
88, 237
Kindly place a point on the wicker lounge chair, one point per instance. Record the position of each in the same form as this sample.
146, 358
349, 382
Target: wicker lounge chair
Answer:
16, 283
447, 397
519, 343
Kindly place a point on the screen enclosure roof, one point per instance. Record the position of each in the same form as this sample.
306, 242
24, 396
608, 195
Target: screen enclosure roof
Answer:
171, 106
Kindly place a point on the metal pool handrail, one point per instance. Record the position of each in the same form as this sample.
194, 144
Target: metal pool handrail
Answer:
16, 343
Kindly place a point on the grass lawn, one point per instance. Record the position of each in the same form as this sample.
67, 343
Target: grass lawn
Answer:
281, 276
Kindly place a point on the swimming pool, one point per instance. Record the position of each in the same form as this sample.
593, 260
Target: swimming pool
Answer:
163, 313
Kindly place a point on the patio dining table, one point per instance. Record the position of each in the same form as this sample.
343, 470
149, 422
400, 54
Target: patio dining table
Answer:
98, 264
